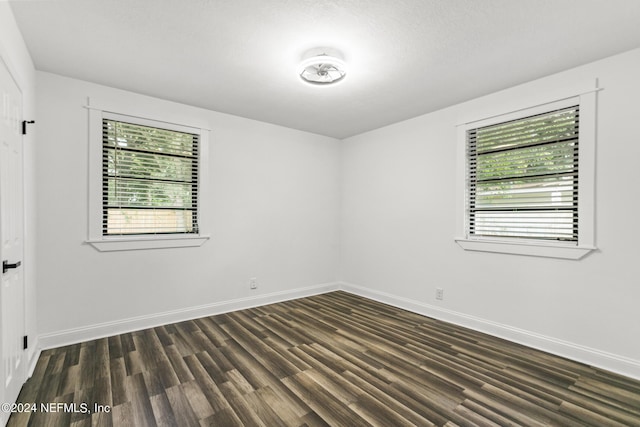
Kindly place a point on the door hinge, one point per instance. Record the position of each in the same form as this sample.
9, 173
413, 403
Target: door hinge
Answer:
25, 342
6, 266
24, 125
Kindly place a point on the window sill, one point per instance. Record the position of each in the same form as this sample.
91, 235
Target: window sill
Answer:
525, 248
132, 243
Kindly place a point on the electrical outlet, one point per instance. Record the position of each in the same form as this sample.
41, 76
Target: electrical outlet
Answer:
439, 293
253, 283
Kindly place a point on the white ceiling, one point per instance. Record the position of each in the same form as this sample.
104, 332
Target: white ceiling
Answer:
405, 57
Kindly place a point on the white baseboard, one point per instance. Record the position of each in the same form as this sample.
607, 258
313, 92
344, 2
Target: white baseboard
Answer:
593, 357
589, 356
101, 330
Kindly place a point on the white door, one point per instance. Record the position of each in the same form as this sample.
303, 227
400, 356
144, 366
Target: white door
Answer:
13, 372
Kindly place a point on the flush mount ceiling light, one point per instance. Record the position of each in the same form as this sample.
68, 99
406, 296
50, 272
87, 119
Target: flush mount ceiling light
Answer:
322, 67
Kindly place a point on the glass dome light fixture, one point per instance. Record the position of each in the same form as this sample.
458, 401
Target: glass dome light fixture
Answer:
322, 68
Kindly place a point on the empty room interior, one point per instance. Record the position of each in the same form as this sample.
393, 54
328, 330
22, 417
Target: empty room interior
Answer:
340, 213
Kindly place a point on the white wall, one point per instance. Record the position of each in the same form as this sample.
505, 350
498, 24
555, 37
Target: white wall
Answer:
285, 205
272, 205
399, 216
14, 52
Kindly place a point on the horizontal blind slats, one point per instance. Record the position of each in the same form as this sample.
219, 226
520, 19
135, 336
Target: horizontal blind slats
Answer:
150, 139
555, 125
522, 177
150, 180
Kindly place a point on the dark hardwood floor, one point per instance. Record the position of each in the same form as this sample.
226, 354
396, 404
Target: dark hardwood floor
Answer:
334, 359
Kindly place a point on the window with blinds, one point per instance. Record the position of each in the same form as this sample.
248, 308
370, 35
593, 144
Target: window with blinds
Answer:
149, 180
523, 178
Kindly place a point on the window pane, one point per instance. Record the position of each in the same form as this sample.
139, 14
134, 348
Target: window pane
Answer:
539, 160
152, 166
147, 221
531, 225
552, 192
145, 138
150, 178
547, 127
136, 193
523, 177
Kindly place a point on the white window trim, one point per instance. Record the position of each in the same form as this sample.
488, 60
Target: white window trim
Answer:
123, 243
586, 185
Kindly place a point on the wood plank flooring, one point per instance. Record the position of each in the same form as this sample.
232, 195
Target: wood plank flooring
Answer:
334, 359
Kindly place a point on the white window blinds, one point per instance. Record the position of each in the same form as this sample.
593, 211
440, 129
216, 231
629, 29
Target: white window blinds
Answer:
523, 178
149, 180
